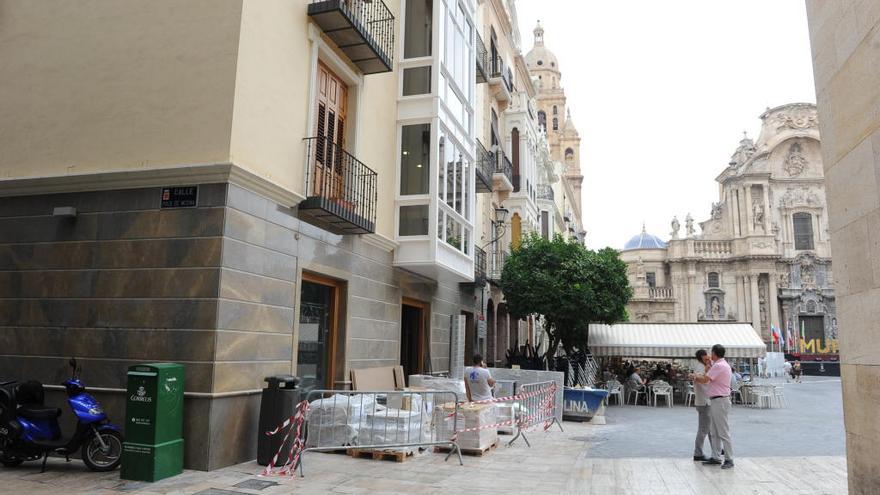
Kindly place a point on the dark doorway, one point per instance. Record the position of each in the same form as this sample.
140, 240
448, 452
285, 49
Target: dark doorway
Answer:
413, 319
491, 339
318, 332
814, 330
470, 338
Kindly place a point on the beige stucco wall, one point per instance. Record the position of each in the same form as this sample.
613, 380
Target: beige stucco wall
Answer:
845, 38
274, 77
98, 85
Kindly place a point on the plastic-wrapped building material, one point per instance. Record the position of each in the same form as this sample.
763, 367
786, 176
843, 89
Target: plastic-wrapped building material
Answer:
334, 421
438, 383
470, 416
506, 412
394, 426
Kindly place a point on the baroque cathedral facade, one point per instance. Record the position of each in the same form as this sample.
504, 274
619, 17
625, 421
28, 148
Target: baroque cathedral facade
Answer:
764, 254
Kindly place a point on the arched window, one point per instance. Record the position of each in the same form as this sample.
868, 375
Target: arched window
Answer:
714, 280
555, 124
555, 110
569, 154
542, 119
803, 231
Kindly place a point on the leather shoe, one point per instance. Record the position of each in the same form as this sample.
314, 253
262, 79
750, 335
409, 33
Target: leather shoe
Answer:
700, 458
712, 462
727, 465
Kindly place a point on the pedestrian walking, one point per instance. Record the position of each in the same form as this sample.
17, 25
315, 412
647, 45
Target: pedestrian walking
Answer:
718, 380
701, 401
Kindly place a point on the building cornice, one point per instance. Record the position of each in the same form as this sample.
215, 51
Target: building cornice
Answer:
213, 173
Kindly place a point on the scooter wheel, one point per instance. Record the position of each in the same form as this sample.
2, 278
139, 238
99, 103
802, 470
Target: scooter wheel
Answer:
95, 458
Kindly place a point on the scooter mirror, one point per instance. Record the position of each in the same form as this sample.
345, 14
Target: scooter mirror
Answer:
72, 364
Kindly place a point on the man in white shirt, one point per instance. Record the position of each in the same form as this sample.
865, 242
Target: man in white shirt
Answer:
478, 381
701, 401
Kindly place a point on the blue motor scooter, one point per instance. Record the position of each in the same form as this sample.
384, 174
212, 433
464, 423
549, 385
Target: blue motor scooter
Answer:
29, 430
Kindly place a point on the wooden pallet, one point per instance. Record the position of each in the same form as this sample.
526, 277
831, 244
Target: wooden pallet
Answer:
390, 455
475, 452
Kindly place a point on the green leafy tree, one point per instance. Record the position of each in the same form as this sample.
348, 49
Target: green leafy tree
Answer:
569, 285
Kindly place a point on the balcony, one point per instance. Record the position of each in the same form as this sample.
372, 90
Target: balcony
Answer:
713, 249
485, 168
341, 191
482, 61
500, 79
496, 265
545, 191
502, 178
362, 29
479, 268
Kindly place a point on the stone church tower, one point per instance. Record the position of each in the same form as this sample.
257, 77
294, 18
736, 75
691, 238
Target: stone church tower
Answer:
554, 116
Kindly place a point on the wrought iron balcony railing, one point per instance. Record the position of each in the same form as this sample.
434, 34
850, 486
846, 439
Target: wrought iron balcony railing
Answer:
482, 61
479, 266
341, 191
362, 29
501, 70
545, 191
503, 165
496, 264
484, 169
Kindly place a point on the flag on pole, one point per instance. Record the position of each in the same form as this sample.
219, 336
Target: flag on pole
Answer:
779, 332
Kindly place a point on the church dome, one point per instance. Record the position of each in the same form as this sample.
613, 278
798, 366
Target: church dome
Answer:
644, 240
540, 58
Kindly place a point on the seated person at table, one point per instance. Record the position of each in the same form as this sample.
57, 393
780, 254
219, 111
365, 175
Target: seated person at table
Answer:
659, 374
635, 380
670, 373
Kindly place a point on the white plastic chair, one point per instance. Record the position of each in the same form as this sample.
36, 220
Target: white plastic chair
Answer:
762, 395
663, 390
636, 391
779, 396
691, 395
614, 390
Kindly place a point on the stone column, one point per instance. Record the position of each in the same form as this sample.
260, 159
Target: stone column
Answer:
756, 305
691, 310
848, 110
740, 299
768, 221
747, 214
773, 295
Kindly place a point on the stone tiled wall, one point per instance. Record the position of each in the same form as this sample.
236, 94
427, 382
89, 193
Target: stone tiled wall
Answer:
213, 287
845, 37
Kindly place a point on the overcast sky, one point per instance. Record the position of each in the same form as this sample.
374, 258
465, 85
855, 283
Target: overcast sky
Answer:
661, 92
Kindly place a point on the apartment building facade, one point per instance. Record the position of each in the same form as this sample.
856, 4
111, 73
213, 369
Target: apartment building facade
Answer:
255, 188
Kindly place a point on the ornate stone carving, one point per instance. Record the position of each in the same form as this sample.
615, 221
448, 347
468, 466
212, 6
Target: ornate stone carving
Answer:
716, 308
763, 300
808, 274
716, 211
761, 245
689, 225
784, 280
799, 197
795, 163
675, 227
797, 119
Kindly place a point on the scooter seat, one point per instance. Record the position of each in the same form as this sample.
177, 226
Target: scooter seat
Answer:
38, 411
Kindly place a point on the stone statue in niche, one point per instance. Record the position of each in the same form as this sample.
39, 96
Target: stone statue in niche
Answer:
689, 225
784, 280
675, 227
716, 308
795, 163
758, 216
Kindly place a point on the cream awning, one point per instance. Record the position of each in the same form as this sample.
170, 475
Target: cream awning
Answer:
674, 340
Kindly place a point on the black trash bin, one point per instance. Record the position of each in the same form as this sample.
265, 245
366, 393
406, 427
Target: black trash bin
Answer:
277, 403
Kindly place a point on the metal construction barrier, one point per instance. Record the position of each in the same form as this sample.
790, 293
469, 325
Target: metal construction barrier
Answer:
332, 420
537, 404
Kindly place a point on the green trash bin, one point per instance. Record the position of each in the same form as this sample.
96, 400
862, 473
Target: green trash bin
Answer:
153, 447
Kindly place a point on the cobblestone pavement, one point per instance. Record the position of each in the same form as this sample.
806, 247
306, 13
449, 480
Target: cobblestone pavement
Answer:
577, 461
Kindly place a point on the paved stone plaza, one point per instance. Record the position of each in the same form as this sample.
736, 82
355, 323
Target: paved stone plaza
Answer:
795, 450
